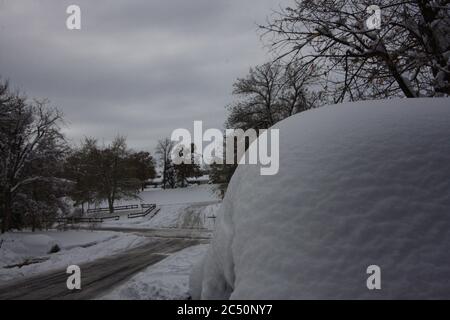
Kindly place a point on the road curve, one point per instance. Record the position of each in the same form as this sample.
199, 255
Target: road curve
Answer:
168, 233
97, 277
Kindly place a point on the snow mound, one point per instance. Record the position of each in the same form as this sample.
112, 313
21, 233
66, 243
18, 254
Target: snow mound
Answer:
359, 184
15, 249
39, 243
168, 279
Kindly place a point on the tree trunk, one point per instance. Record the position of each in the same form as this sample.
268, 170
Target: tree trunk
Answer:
7, 212
164, 180
397, 76
111, 205
33, 224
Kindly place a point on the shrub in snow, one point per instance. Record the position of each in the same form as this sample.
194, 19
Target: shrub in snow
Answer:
359, 184
37, 244
55, 249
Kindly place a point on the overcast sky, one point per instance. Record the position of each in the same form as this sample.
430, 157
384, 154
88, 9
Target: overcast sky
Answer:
140, 68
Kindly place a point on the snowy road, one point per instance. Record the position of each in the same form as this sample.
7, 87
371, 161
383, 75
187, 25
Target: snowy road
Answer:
99, 276
170, 233
176, 227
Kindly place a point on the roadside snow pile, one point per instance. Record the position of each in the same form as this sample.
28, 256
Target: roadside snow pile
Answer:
359, 184
32, 250
168, 279
15, 249
78, 238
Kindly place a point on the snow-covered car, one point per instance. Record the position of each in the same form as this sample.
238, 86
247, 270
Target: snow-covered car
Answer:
359, 185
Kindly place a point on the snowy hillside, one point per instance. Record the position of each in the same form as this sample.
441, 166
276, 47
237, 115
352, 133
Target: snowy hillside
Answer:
171, 216
359, 184
192, 194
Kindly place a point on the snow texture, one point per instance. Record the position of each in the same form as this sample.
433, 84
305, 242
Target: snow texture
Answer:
168, 279
359, 184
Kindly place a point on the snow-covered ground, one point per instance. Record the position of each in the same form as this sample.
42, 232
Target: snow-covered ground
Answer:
359, 184
188, 208
190, 194
76, 247
168, 279
171, 216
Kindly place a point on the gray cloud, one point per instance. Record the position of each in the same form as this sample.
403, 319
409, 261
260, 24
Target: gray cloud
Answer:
140, 68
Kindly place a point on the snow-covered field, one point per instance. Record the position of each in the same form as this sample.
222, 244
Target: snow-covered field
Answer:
76, 247
168, 279
191, 194
359, 184
171, 216
191, 207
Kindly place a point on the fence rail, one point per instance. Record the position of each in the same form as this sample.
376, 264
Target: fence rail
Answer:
150, 207
81, 220
110, 218
118, 208
78, 220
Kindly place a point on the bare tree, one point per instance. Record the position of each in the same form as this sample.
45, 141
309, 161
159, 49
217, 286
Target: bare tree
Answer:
114, 177
185, 164
110, 172
268, 94
408, 56
259, 91
271, 92
164, 150
143, 167
32, 149
302, 89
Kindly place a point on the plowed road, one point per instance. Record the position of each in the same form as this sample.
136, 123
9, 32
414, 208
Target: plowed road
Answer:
99, 276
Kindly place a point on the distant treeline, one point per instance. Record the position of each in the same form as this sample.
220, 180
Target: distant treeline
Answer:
43, 177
